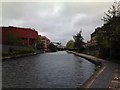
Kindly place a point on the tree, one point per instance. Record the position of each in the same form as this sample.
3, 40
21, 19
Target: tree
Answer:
78, 42
115, 44
108, 37
70, 44
52, 47
39, 44
111, 13
119, 8
103, 40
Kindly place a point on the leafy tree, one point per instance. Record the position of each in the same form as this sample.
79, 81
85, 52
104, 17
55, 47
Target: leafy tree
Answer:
116, 33
78, 42
111, 13
70, 44
115, 43
52, 47
108, 37
39, 44
103, 42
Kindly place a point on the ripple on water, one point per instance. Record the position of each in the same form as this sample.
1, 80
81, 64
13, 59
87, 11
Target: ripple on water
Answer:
47, 70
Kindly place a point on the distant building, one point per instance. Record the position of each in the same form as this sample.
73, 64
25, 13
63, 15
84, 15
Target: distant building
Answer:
88, 44
25, 36
59, 46
93, 42
105, 30
46, 43
92, 46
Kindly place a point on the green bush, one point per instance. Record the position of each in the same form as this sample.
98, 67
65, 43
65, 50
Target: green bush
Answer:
24, 51
97, 67
4, 54
18, 52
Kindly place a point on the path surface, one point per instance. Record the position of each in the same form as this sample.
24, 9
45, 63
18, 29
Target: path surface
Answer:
109, 76
104, 79
115, 82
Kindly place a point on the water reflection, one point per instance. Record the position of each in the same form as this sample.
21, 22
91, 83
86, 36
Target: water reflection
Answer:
47, 70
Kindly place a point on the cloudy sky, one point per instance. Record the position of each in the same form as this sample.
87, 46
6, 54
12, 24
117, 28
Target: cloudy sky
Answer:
59, 21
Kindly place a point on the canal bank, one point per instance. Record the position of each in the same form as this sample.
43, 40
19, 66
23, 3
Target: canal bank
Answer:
101, 78
88, 57
21, 55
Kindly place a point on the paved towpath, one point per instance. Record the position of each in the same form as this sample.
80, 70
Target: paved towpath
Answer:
104, 78
115, 82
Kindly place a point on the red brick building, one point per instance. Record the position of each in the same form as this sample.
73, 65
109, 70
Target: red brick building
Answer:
46, 43
27, 36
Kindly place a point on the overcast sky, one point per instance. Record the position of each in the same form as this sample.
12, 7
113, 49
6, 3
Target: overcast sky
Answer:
59, 21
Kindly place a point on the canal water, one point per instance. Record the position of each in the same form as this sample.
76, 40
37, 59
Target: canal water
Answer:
47, 70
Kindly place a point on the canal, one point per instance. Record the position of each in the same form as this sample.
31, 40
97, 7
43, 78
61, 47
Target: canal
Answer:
47, 70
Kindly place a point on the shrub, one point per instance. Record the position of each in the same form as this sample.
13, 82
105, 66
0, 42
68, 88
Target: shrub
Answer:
97, 67
18, 52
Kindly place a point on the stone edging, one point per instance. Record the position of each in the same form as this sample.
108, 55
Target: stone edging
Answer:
94, 60
17, 56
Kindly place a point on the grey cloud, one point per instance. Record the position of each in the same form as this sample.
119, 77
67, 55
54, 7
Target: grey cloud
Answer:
59, 21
